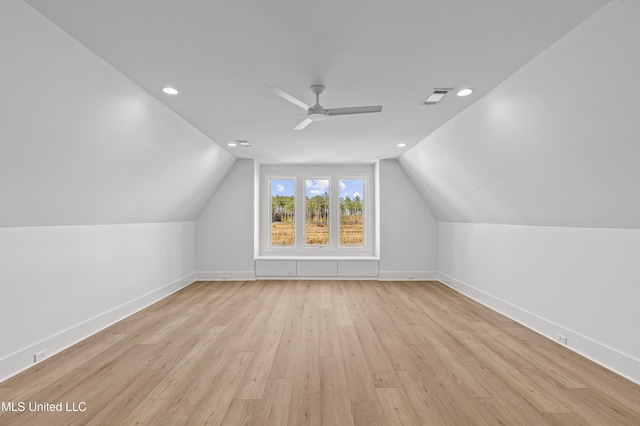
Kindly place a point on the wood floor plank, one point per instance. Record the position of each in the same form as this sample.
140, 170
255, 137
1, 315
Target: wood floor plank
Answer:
396, 407
336, 407
491, 411
598, 408
367, 413
382, 372
296, 305
284, 363
152, 411
359, 377
250, 337
310, 324
324, 297
257, 374
211, 351
541, 397
306, 401
341, 311
434, 400
396, 353
240, 413
321, 352
272, 410
513, 403
213, 405
351, 301
53, 370
328, 334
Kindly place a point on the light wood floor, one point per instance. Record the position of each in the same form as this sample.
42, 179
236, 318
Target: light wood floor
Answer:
321, 353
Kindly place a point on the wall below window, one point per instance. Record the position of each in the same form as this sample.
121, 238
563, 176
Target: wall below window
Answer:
63, 283
316, 268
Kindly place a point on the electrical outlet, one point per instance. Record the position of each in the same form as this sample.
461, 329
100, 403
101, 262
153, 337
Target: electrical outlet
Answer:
39, 356
561, 339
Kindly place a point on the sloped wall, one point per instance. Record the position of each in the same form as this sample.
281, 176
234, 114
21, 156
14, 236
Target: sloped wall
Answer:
81, 144
556, 144
537, 187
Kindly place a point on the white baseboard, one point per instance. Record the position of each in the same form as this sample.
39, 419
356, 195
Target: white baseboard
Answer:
226, 275
23, 359
407, 276
314, 278
597, 352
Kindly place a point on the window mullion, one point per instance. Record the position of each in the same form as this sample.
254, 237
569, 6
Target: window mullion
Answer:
300, 212
335, 212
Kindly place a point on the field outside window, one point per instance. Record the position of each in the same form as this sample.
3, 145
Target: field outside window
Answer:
283, 212
317, 212
351, 212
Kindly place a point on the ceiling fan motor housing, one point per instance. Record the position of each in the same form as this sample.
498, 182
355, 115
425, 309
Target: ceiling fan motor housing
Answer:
317, 113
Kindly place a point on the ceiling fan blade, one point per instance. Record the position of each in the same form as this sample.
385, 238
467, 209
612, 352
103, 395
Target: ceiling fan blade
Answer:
303, 124
354, 110
288, 97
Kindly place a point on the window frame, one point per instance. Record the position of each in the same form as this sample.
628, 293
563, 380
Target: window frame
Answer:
334, 173
304, 206
295, 213
365, 208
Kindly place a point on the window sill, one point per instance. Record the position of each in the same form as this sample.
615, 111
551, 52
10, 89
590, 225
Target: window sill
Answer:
315, 257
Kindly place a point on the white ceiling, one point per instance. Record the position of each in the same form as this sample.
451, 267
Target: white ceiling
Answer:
222, 56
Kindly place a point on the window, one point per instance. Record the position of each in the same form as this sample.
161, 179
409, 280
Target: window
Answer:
283, 212
316, 230
351, 212
317, 207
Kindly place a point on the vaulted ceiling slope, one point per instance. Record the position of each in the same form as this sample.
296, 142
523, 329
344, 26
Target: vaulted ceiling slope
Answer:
223, 55
82, 144
556, 144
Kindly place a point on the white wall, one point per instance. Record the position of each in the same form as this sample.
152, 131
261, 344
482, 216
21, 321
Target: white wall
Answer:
582, 283
556, 144
61, 284
408, 228
82, 144
546, 171
225, 228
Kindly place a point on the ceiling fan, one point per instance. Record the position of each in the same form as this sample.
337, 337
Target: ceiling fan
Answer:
316, 112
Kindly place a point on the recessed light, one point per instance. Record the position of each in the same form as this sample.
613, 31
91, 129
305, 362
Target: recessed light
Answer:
402, 145
232, 144
243, 143
464, 92
169, 91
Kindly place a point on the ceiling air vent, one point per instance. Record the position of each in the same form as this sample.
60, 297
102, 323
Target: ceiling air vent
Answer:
436, 96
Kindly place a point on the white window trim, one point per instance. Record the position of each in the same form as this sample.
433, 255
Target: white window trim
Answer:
334, 173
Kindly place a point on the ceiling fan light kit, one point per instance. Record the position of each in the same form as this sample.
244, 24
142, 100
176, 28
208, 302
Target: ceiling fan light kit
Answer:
317, 112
